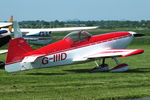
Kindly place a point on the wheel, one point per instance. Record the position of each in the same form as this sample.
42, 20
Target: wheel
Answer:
2, 64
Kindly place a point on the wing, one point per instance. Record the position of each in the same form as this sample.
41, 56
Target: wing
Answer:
108, 53
6, 24
34, 31
3, 51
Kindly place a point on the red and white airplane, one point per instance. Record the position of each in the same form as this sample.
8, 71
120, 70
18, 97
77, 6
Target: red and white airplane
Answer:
76, 47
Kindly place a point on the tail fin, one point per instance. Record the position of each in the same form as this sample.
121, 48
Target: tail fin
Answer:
17, 32
11, 21
16, 50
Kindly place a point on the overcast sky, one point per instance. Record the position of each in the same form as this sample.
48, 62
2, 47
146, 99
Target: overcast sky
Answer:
63, 10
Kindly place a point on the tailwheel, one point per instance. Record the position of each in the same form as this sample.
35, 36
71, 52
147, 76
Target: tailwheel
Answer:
101, 68
2, 64
119, 67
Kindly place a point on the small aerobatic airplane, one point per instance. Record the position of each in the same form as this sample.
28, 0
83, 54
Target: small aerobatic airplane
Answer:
76, 47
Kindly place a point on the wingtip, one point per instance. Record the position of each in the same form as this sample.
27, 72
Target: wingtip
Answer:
139, 51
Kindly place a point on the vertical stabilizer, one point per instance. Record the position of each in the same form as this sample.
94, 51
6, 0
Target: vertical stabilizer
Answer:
17, 31
16, 50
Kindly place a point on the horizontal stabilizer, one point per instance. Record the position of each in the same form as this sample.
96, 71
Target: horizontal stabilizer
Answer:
3, 51
25, 64
31, 58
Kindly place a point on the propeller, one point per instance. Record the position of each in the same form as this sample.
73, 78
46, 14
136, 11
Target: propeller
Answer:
136, 34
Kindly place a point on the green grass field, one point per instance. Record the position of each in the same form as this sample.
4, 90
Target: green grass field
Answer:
76, 82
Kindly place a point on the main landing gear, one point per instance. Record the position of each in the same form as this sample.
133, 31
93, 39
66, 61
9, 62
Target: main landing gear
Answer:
105, 67
101, 68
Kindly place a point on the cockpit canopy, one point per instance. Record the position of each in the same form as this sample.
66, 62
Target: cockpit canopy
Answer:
76, 36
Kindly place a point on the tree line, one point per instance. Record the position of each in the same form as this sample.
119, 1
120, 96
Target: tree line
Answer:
102, 24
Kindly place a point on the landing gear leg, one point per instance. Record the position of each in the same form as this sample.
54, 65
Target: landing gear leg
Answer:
100, 68
117, 62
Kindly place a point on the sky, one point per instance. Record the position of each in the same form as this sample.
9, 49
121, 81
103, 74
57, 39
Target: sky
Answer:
64, 10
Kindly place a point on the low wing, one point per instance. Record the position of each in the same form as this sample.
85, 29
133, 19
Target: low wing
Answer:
34, 31
108, 53
3, 51
5, 24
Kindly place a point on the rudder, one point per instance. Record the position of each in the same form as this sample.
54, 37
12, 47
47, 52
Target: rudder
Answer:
16, 50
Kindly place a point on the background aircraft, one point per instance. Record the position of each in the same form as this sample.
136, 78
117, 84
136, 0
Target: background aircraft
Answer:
5, 36
76, 47
5, 33
42, 36
38, 36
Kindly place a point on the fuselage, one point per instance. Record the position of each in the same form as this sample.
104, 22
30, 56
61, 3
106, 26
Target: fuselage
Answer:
38, 40
69, 51
41, 38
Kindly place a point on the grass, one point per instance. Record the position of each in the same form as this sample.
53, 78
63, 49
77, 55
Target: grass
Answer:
75, 82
